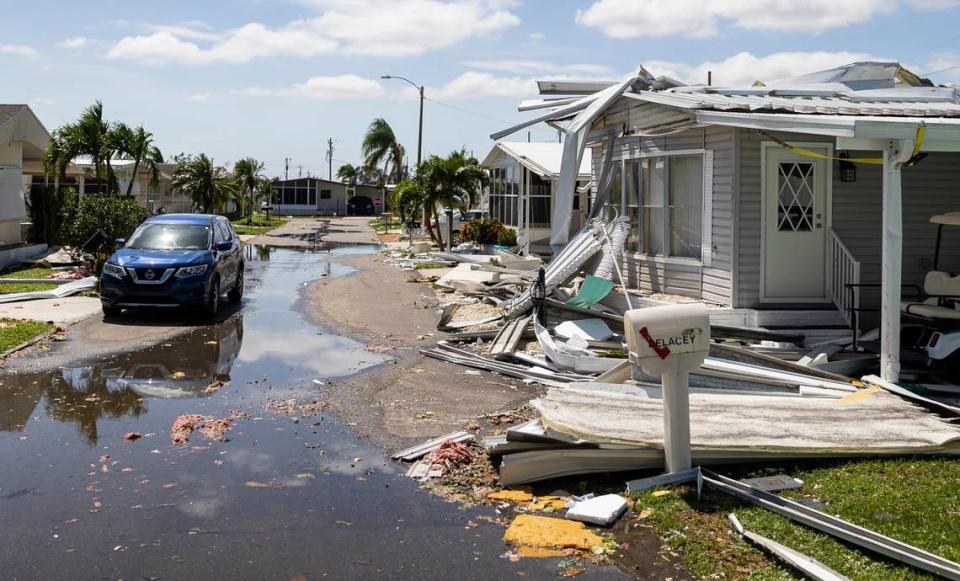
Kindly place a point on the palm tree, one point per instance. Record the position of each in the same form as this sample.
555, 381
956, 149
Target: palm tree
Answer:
248, 172
90, 136
265, 190
407, 198
137, 144
207, 185
93, 136
348, 174
380, 146
455, 181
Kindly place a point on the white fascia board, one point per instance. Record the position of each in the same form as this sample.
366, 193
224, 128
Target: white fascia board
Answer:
937, 130
578, 105
834, 126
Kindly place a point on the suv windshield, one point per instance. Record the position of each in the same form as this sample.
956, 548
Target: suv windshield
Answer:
170, 237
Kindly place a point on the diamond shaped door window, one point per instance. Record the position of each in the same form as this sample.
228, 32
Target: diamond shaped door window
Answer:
795, 196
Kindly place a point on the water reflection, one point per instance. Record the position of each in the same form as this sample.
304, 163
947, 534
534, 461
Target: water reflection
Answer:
84, 395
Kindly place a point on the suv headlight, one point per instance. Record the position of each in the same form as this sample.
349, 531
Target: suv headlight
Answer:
192, 270
113, 270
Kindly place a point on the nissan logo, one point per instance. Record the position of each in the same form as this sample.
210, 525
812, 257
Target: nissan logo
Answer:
149, 275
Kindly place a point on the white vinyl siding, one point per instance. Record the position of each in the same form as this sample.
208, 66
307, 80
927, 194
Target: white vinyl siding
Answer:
708, 278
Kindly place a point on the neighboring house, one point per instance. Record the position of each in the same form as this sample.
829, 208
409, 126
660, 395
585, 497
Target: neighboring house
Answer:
23, 140
81, 176
749, 198
317, 197
523, 177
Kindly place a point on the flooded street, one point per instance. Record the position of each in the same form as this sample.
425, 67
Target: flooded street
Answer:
285, 495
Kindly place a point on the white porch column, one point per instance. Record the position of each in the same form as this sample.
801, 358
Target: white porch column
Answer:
896, 153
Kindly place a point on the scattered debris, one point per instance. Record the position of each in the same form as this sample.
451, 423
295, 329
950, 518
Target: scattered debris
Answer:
420, 450
450, 453
210, 427
516, 496
541, 536
599, 510
64, 290
808, 566
132, 436
775, 483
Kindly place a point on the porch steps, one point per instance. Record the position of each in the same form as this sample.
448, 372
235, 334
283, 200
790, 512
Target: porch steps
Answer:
816, 325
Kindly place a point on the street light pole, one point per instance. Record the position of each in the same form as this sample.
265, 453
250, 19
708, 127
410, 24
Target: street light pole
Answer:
419, 89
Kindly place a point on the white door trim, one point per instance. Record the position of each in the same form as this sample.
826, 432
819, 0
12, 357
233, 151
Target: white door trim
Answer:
827, 148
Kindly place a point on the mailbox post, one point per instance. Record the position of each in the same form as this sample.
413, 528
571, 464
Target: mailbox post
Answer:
671, 341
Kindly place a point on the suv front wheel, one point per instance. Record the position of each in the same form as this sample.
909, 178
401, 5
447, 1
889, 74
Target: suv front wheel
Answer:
212, 307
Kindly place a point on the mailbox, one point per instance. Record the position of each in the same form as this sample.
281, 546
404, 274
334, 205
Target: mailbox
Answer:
671, 341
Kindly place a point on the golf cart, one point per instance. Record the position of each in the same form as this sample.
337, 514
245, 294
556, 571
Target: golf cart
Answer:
936, 312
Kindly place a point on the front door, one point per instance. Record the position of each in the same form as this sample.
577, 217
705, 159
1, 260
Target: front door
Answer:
794, 225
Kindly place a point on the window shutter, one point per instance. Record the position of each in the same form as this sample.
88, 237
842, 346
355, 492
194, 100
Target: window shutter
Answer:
706, 252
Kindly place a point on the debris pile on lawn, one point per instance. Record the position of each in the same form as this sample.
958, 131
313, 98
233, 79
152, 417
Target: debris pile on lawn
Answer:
591, 428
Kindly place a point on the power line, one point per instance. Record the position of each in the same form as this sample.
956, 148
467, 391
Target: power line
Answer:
481, 115
940, 71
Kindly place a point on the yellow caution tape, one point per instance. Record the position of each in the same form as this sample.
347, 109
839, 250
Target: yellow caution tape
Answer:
918, 142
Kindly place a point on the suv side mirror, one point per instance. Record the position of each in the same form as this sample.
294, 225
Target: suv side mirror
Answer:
120, 241
224, 246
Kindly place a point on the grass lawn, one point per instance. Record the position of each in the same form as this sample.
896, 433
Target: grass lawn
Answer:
26, 272
14, 332
260, 224
913, 500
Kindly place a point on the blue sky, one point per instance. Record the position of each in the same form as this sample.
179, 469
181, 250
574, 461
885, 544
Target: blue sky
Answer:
276, 78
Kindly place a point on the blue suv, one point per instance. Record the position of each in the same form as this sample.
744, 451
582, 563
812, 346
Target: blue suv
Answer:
174, 260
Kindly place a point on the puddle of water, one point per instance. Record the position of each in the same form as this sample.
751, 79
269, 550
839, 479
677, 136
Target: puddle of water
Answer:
277, 500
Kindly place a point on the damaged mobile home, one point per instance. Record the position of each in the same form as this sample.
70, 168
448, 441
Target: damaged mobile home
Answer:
779, 206
792, 204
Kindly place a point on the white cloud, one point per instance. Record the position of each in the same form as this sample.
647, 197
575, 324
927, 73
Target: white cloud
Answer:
42, 101
320, 87
744, 68
393, 28
536, 37
19, 50
543, 68
700, 18
73, 42
199, 97
476, 85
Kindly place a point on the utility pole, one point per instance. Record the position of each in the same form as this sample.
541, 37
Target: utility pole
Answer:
330, 159
286, 168
419, 89
300, 171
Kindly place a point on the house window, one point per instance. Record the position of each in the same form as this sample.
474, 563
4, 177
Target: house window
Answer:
539, 202
325, 194
313, 195
631, 202
652, 224
686, 206
504, 194
663, 197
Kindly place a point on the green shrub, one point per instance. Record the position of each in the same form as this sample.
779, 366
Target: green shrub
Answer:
114, 216
482, 231
507, 237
